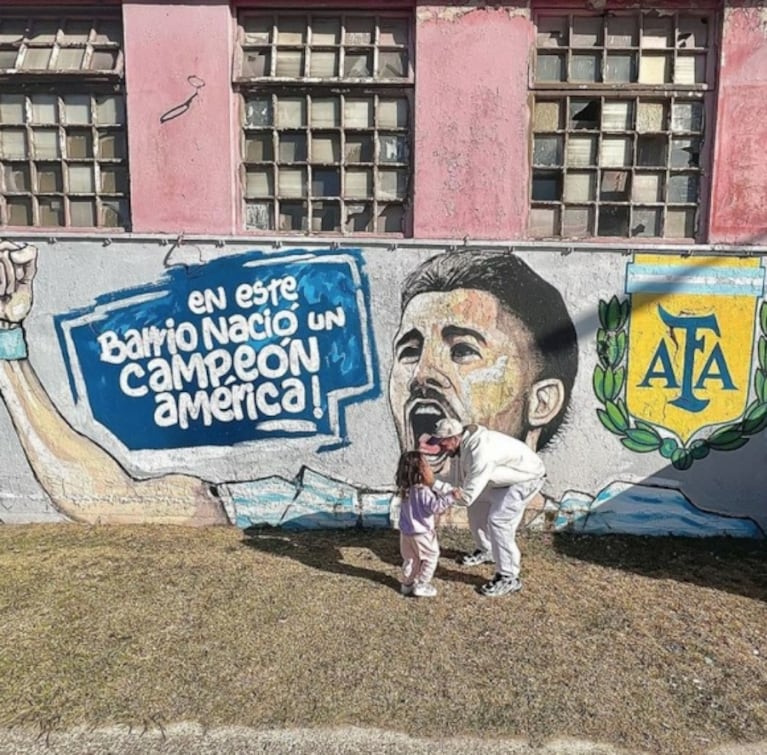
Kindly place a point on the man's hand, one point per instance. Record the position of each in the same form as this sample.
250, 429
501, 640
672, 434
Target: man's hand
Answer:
18, 265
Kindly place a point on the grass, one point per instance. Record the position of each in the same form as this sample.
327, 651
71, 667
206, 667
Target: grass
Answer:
652, 644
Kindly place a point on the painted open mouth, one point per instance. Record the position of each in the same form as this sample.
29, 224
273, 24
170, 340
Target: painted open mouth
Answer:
423, 416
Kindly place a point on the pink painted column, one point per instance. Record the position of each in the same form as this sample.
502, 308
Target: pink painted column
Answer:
183, 175
738, 207
471, 122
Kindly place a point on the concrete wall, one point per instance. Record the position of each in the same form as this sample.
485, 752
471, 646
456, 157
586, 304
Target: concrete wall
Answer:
136, 402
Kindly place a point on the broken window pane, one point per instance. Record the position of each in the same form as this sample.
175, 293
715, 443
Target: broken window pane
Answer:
293, 216
585, 114
290, 30
114, 180
657, 31
79, 144
16, 177
692, 31
358, 64
359, 218
392, 148
622, 31
257, 30
552, 32
256, 63
393, 31
647, 221
359, 148
326, 31
326, 216
392, 64
613, 220
615, 186
258, 112
258, 147
359, 30
685, 153
587, 31
391, 219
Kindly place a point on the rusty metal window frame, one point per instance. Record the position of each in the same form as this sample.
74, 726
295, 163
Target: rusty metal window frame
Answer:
326, 113
619, 112
63, 150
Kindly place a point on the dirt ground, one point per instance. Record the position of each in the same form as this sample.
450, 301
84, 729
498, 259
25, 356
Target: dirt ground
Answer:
637, 644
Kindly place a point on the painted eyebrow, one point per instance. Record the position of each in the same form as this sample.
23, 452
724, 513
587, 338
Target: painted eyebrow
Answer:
454, 331
412, 334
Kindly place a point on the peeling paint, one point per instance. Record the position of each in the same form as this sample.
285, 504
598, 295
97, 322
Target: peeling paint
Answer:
457, 12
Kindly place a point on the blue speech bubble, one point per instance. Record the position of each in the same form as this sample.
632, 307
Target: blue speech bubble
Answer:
241, 348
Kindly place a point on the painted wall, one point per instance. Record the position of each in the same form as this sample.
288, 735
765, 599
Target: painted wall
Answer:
230, 381
233, 384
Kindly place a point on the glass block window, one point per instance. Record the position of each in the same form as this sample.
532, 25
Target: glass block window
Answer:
63, 152
326, 121
619, 141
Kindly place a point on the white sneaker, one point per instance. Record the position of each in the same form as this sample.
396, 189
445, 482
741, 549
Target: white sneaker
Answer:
406, 589
424, 590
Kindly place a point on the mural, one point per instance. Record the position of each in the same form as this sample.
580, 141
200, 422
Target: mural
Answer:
245, 367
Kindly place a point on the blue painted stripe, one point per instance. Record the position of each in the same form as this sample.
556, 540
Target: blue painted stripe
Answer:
715, 281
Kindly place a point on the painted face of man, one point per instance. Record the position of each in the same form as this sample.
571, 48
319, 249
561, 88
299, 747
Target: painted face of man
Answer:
461, 354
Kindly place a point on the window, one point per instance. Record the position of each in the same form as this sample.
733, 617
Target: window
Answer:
326, 118
63, 156
619, 124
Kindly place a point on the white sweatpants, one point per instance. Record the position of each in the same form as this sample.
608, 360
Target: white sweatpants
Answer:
494, 518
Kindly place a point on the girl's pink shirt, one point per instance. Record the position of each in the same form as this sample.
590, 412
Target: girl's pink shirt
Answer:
418, 507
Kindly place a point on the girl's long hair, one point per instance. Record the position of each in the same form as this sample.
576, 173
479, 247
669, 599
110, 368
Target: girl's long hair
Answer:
409, 471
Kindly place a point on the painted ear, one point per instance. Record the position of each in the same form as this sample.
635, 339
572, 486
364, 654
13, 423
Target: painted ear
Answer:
545, 401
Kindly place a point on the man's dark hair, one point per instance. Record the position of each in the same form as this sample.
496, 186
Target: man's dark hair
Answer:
522, 293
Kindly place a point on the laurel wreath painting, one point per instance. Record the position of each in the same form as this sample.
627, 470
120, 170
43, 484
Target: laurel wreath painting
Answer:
609, 381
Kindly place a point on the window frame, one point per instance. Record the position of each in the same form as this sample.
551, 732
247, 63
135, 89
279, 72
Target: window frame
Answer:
668, 93
327, 87
57, 85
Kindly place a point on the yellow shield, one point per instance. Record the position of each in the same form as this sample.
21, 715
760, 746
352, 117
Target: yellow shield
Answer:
691, 339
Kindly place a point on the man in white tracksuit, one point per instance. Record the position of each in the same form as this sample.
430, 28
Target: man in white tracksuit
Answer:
498, 476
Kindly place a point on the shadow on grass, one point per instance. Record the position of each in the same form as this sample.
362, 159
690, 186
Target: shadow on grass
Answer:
738, 566
323, 549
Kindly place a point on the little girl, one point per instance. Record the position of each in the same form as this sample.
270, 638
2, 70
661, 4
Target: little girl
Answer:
418, 535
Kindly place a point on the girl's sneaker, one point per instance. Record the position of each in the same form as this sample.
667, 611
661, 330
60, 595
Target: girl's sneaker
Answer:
501, 585
424, 590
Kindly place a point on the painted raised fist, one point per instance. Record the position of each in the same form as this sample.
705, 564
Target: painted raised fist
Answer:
18, 265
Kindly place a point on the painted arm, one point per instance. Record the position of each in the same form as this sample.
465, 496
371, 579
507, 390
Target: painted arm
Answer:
82, 479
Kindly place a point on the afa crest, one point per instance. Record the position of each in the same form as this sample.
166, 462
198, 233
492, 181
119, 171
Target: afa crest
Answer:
676, 370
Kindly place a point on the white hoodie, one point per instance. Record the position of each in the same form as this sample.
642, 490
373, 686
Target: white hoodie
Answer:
491, 458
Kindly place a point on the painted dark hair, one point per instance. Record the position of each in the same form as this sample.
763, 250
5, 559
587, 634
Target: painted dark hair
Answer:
409, 471
522, 293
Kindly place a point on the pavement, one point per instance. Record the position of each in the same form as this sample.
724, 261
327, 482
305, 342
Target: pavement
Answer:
193, 739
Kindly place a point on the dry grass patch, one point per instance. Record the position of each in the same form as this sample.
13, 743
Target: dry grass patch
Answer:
654, 644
